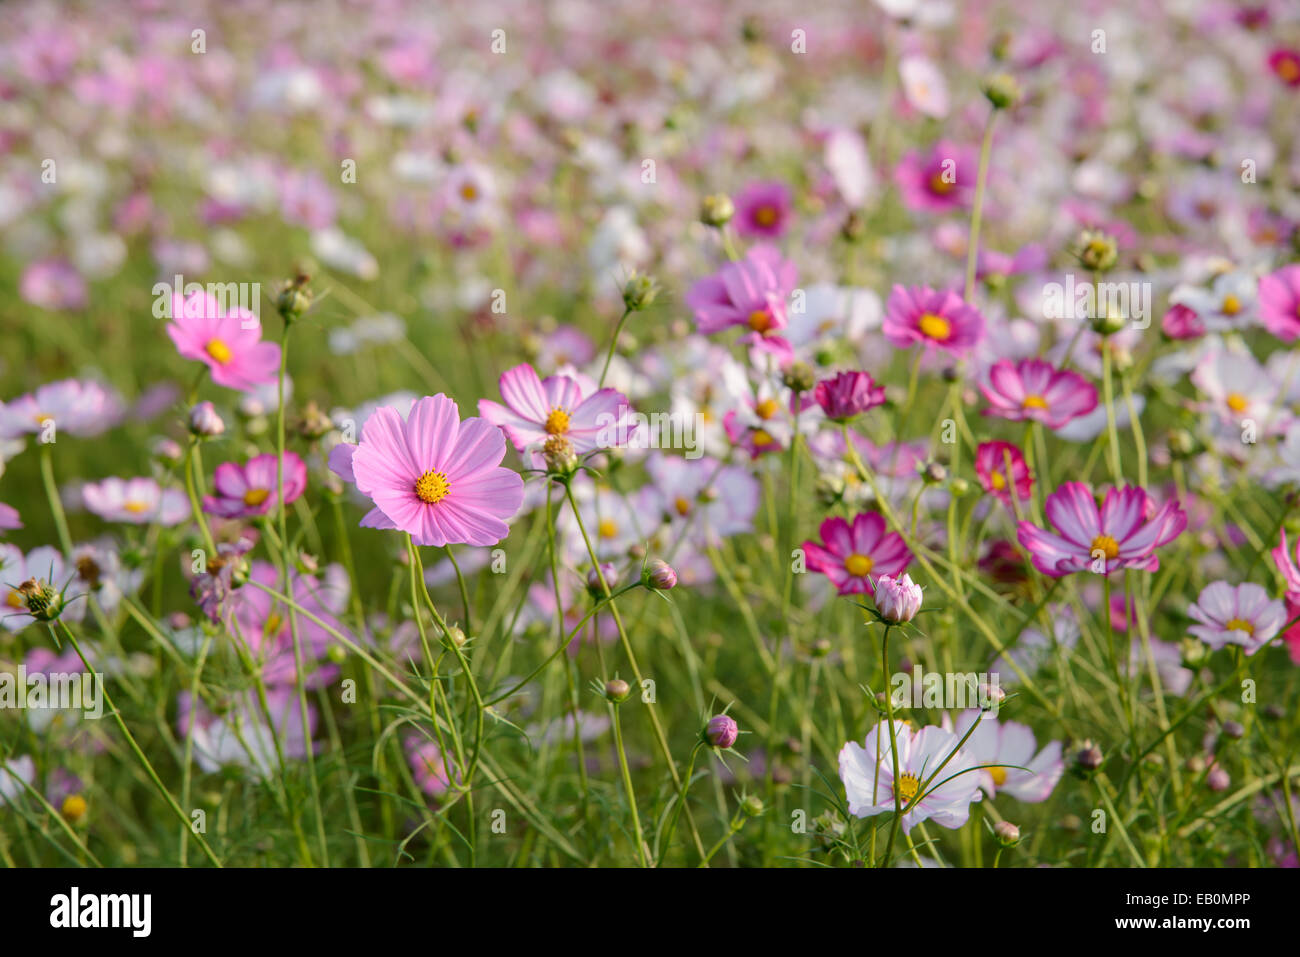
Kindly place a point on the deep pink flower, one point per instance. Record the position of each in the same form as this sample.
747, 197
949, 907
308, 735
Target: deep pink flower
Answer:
933, 318
1182, 322
991, 466
1279, 302
1037, 390
230, 345
243, 492
750, 293
762, 210
1123, 534
848, 394
852, 554
434, 476
939, 181
559, 406
1285, 63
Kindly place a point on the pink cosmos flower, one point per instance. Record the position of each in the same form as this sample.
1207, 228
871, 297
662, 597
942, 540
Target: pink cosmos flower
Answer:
53, 284
933, 318
1037, 390
1236, 615
1006, 749
70, 405
997, 477
848, 394
262, 622
139, 501
230, 345
9, 518
1279, 302
558, 407
852, 554
433, 476
940, 181
1123, 534
762, 210
750, 293
243, 492
1285, 64
1182, 322
1290, 569
428, 767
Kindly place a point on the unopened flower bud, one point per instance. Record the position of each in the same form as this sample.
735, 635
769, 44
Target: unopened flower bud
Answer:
1233, 730
610, 574
73, 808
41, 600
1193, 651
933, 473
559, 455
1002, 90
314, 423
1008, 834
1098, 251
897, 599
958, 487
799, 377
456, 635
617, 690
1217, 779
639, 292
660, 575
167, 451
717, 210
722, 731
1088, 758
752, 805
294, 299
204, 421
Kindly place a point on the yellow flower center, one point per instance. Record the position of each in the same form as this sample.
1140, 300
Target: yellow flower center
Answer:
935, 327
607, 528
1034, 402
468, 193
767, 408
272, 624
432, 487
135, 508
765, 215
997, 480
1237, 402
906, 787
858, 565
256, 496
557, 423
999, 776
760, 320
682, 506
219, 351
15, 600
1288, 69
1231, 305
1240, 624
762, 439
1106, 545
940, 185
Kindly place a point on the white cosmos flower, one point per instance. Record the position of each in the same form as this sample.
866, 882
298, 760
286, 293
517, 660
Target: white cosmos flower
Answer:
1004, 748
1236, 615
869, 778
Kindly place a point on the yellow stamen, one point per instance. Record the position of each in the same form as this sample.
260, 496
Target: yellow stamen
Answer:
607, 528
1231, 305
858, 565
940, 185
997, 480
557, 423
1237, 402
760, 320
935, 327
999, 776
256, 496
135, 508
762, 439
1106, 545
15, 600
432, 487
1034, 402
1240, 624
219, 351
767, 408
906, 786
683, 507
468, 193
765, 215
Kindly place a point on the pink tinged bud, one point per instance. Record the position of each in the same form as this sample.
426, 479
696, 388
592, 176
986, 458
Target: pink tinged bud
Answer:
659, 574
1006, 833
1217, 779
205, 422
722, 731
610, 574
897, 599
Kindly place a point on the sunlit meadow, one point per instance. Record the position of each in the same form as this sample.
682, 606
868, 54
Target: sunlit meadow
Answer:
649, 434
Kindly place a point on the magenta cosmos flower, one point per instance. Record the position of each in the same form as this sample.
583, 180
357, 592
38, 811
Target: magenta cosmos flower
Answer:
1279, 302
433, 476
229, 344
751, 293
538, 411
940, 319
250, 490
1120, 535
940, 181
1285, 64
853, 553
762, 210
848, 394
1037, 390
997, 476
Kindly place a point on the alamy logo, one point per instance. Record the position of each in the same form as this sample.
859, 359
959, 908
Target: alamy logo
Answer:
54, 690
132, 911
1093, 300
242, 298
